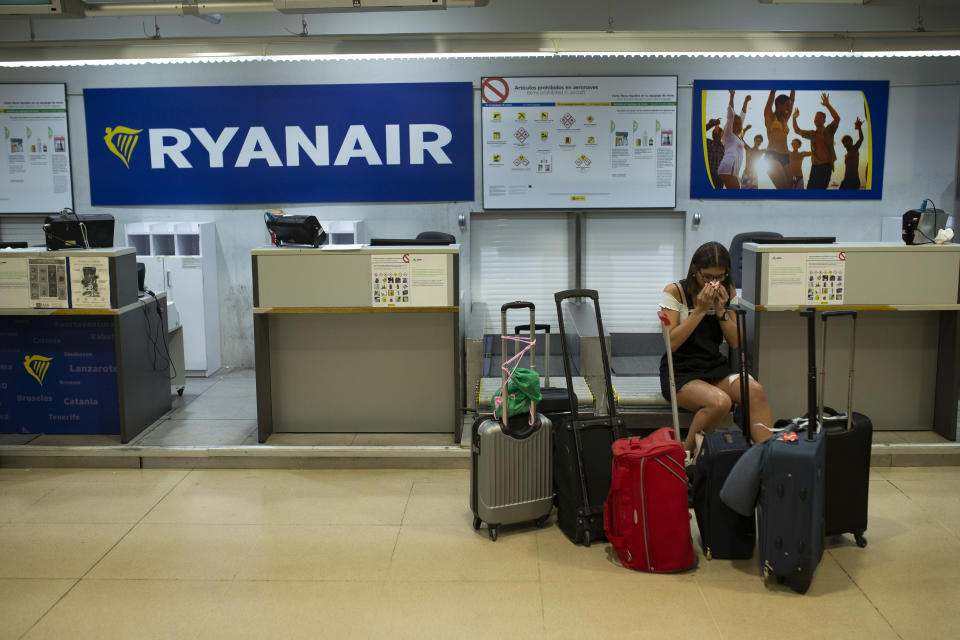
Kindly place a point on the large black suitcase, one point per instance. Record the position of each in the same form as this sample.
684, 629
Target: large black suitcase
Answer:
724, 533
555, 399
582, 447
791, 506
849, 443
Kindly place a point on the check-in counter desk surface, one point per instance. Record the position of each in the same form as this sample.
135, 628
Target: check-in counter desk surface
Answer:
907, 342
87, 367
330, 357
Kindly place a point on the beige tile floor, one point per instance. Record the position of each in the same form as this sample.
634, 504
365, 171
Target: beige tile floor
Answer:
87, 553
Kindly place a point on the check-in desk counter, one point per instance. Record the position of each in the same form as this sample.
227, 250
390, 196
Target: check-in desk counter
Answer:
80, 353
907, 341
363, 340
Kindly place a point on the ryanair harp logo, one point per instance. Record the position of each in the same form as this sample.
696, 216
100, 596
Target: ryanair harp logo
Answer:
37, 366
121, 141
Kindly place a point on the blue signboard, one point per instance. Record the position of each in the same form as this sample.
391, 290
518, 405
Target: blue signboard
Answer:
45, 388
783, 139
280, 144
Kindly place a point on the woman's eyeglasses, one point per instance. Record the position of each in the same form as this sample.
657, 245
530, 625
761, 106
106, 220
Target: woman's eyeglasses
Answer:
709, 277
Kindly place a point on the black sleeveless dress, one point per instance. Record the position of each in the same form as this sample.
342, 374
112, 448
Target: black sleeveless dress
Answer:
698, 358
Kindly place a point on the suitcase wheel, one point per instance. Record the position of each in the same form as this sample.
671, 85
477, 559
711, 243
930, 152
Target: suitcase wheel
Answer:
476, 523
542, 520
492, 531
861, 541
586, 538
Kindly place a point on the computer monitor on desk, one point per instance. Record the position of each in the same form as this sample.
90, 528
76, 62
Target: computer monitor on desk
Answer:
416, 242
795, 240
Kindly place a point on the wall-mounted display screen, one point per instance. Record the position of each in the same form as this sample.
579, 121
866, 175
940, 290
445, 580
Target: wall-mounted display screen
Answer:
579, 142
35, 158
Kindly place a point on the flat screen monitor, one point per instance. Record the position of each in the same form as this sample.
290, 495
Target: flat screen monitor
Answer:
795, 240
399, 242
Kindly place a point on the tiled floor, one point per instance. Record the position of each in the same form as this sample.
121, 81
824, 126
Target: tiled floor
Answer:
88, 553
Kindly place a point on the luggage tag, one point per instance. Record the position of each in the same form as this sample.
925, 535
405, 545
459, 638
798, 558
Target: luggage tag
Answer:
790, 436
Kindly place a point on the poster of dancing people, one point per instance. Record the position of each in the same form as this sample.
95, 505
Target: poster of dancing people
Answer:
769, 139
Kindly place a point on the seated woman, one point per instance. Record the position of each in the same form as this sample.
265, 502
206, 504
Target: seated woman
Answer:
706, 384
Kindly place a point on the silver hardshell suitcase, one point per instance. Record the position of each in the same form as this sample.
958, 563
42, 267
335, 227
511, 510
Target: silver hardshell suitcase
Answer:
510, 479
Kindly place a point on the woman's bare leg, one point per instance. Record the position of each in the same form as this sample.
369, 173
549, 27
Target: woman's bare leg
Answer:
760, 418
710, 403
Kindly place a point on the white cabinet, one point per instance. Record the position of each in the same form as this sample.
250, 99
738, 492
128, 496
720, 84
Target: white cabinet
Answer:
181, 259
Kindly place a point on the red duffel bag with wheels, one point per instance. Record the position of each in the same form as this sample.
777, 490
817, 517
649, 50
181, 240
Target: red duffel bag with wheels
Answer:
646, 516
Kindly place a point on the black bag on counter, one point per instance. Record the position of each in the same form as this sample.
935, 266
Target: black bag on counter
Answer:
72, 231
294, 229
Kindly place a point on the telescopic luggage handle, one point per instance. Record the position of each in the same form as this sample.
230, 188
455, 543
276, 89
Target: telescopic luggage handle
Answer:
665, 327
536, 327
741, 314
504, 374
559, 297
809, 313
546, 349
823, 360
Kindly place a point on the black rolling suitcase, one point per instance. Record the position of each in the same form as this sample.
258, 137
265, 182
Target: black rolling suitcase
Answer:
555, 399
790, 509
724, 533
582, 447
849, 442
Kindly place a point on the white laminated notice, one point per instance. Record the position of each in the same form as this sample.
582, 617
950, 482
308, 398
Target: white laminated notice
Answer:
14, 283
409, 280
48, 283
786, 280
90, 283
825, 275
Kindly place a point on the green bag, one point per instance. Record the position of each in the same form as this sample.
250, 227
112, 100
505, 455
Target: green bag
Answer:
523, 387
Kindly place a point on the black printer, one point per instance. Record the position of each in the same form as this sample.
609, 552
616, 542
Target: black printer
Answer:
72, 231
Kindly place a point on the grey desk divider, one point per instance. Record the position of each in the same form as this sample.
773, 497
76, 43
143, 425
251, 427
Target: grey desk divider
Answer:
328, 360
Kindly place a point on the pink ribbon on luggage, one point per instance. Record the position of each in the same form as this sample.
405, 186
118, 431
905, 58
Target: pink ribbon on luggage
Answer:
515, 361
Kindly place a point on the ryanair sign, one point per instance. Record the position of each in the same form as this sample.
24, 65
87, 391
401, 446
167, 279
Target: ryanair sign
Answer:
280, 144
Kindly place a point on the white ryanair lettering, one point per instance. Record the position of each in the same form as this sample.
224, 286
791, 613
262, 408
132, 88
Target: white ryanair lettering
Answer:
81, 402
46, 341
6, 367
70, 382
70, 417
101, 336
76, 354
423, 140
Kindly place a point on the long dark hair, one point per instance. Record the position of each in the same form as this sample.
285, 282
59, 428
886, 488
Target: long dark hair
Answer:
710, 254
